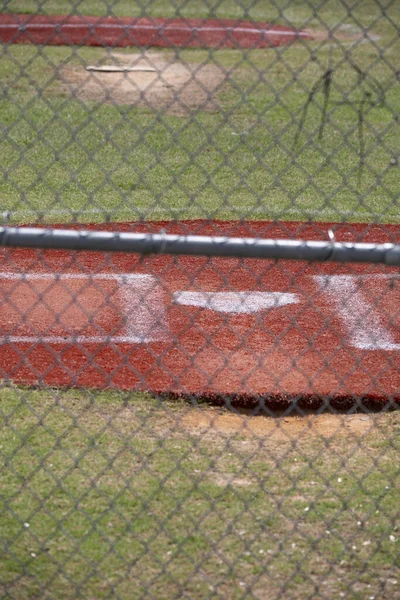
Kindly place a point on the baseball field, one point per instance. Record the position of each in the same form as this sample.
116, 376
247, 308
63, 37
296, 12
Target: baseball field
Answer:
184, 426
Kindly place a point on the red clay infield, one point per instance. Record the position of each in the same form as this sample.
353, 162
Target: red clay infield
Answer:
118, 32
242, 329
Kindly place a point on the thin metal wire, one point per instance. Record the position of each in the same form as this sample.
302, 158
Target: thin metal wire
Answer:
178, 419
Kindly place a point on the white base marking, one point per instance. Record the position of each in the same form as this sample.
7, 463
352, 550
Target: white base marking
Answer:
363, 323
142, 308
120, 277
236, 302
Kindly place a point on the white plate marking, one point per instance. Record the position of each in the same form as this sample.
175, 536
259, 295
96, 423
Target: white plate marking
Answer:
236, 302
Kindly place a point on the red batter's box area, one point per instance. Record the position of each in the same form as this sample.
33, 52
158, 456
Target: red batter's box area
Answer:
208, 327
81, 309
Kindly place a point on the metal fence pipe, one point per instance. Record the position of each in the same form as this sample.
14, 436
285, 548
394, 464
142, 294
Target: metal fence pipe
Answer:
199, 245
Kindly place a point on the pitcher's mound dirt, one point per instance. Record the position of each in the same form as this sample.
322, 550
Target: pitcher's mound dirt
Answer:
156, 80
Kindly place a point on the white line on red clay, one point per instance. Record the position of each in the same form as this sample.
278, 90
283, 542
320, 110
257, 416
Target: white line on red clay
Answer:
145, 321
120, 277
79, 339
363, 323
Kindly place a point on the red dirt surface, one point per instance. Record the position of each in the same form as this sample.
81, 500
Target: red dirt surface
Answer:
309, 350
119, 32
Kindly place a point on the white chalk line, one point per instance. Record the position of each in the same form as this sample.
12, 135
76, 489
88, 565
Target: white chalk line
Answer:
367, 276
119, 277
79, 339
144, 311
146, 321
364, 325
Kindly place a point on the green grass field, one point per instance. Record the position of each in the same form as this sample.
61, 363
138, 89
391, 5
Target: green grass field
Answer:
108, 495
66, 159
129, 497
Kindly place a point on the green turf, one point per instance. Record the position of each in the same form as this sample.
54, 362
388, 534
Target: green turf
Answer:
67, 159
108, 495
125, 496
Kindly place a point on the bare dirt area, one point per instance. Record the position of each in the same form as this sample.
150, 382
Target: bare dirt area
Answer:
153, 79
323, 425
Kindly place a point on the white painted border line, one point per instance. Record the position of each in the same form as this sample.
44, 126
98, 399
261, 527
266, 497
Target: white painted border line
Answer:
79, 339
363, 323
120, 277
142, 300
395, 275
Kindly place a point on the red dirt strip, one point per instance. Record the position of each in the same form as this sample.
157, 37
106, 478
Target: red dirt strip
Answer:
246, 330
119, 32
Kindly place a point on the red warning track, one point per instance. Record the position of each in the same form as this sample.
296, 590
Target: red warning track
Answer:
119, 32
214, 328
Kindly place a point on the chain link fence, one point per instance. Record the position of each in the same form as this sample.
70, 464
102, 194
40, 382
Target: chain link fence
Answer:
199, 284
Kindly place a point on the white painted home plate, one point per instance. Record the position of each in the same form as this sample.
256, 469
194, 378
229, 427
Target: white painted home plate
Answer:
75, 308
236, 302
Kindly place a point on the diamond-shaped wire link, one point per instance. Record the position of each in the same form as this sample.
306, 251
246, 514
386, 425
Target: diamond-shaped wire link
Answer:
193, 426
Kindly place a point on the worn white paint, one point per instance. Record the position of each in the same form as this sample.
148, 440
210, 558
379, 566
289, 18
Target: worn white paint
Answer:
362, 321
141, 303
56, 276
140, 299
71, 340
236, 302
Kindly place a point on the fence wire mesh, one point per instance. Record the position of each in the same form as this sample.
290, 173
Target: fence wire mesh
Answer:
199, 426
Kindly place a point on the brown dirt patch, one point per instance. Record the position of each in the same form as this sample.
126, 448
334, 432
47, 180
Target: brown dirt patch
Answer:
325, 425
176, 86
